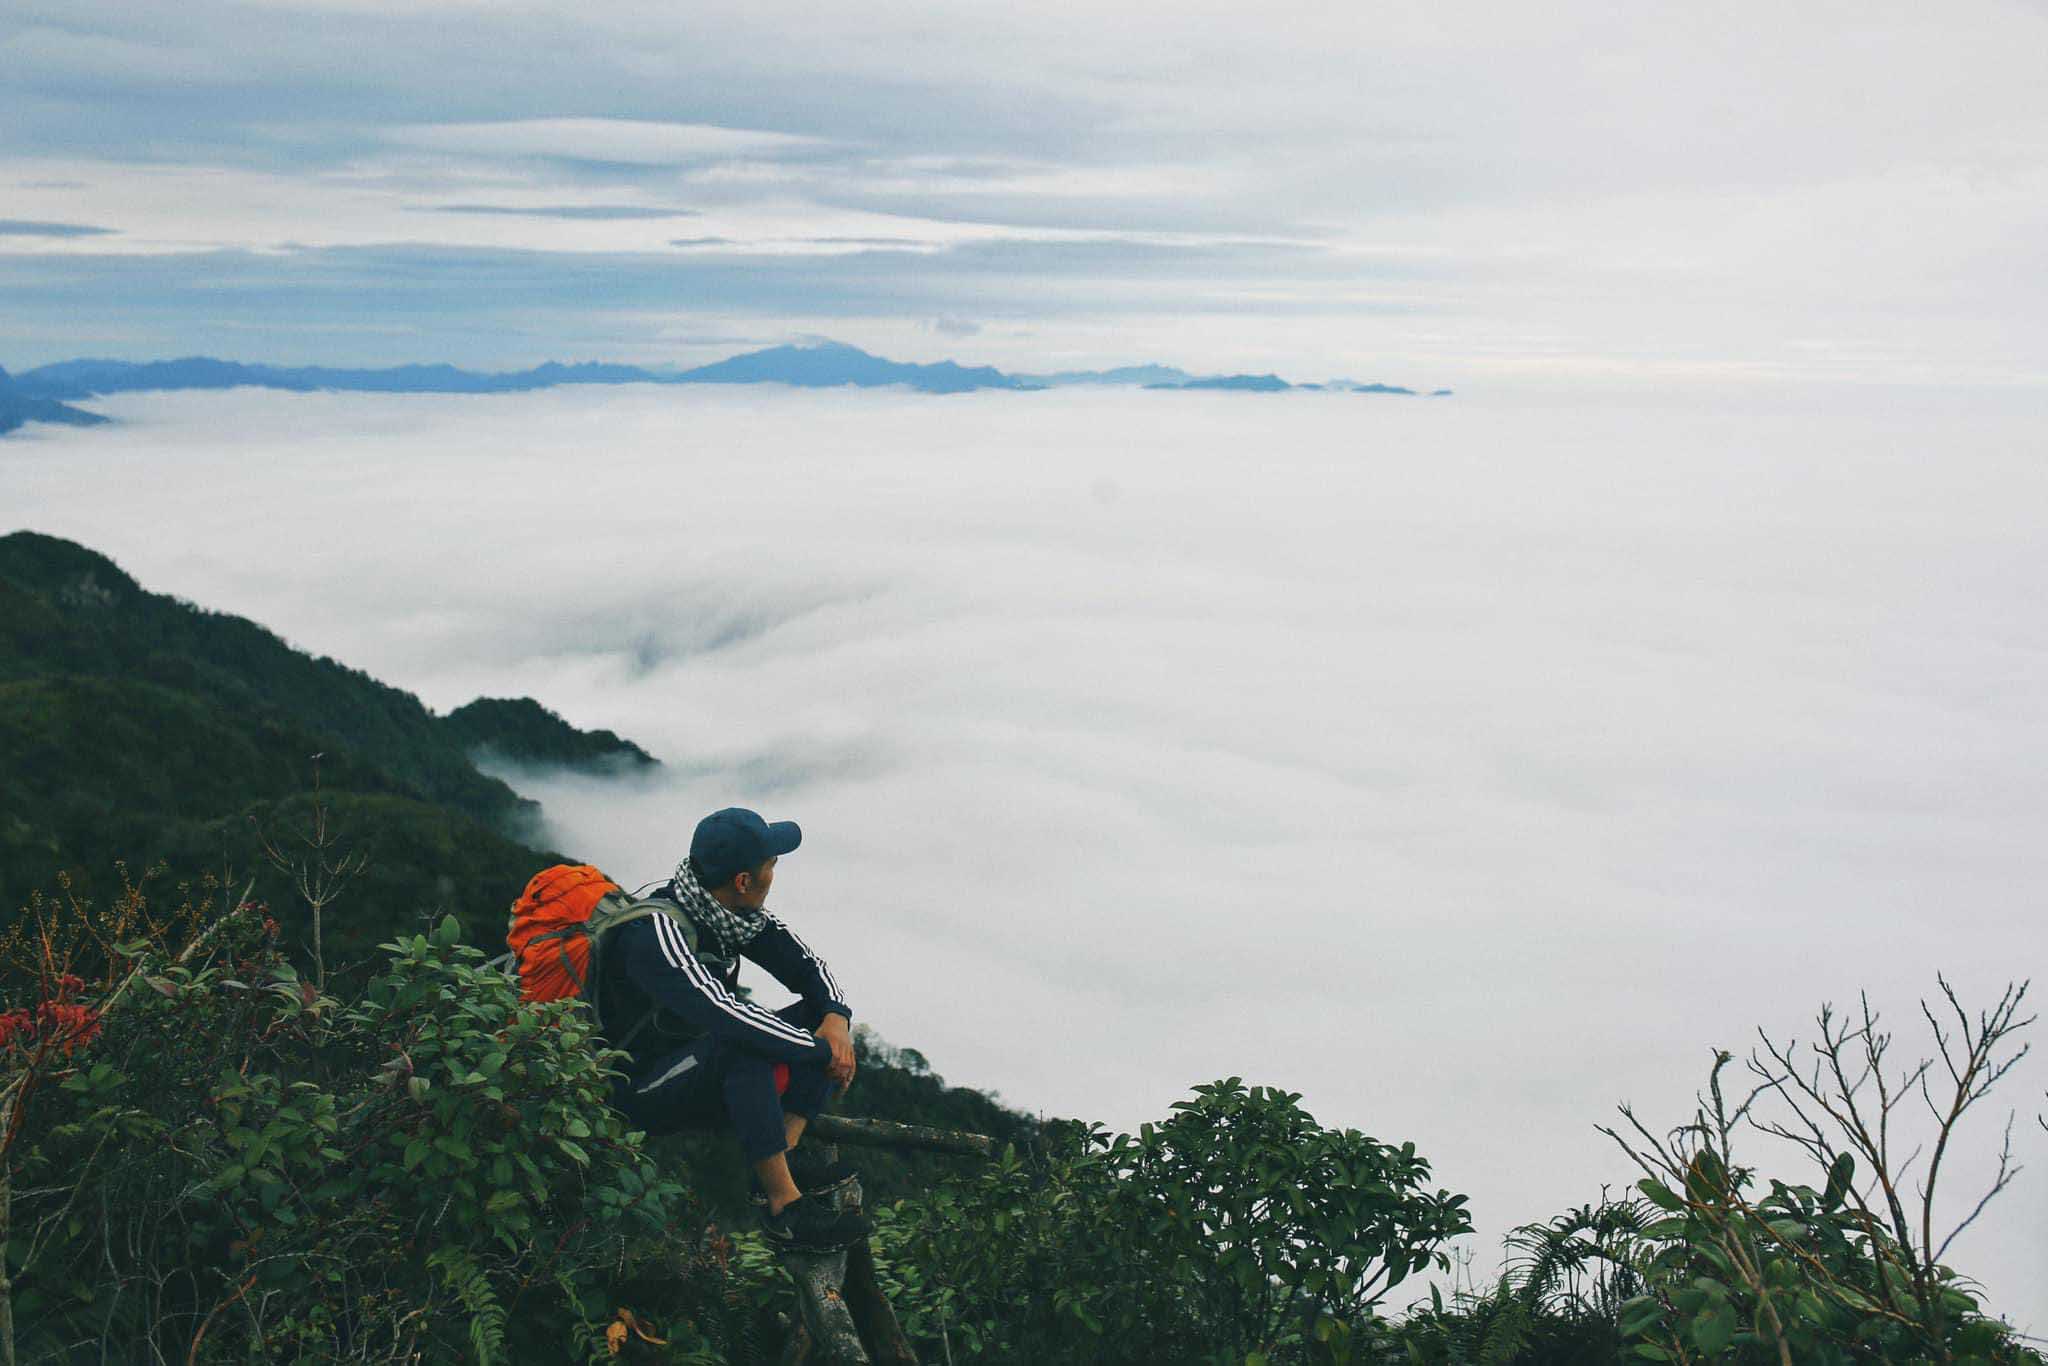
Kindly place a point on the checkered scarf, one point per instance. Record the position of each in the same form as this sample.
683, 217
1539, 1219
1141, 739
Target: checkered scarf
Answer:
723, 931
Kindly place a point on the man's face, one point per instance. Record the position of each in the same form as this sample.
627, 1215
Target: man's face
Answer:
752, 888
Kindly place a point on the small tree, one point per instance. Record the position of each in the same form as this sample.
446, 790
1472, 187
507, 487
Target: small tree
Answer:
1851, 1268
1275, 1221
319, 863
1236, 1227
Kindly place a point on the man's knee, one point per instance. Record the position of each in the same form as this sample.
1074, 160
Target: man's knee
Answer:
748, 1080
809, 1089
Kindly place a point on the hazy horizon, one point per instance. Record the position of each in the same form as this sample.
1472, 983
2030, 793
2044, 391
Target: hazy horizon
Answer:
1468, 767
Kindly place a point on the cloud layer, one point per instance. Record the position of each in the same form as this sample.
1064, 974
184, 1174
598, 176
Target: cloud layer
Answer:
1467, 768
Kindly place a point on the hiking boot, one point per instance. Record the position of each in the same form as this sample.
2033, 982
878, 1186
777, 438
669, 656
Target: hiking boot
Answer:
813, 1173
813, 1226
816, 1174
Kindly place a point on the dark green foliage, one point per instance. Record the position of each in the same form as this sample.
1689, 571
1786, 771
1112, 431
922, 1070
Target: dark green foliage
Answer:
1229, 1231
102, 769
521, 730
897, 1084
1730, 1276
90, 618
1556, 1304
138, 729
423, 862
240, 1166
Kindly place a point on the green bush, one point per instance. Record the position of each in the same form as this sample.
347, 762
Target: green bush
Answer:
235, 1166
1228, 1232
1555, 1304
1744, 1268
1794, 1273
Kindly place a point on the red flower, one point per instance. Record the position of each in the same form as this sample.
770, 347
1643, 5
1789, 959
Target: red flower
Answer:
69, 1026
13, 1025
62, 1024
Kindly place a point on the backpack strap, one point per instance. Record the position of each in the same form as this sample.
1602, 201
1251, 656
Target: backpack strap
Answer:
613, 912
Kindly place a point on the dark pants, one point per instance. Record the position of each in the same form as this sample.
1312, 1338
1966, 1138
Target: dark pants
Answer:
706, 1084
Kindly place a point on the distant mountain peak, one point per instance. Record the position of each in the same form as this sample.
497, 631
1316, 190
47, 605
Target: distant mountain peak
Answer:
821, 364
520, 730
18, 409
808, 362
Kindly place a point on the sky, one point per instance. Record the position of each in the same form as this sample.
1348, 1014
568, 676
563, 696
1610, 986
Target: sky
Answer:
1468, 766
1583, 196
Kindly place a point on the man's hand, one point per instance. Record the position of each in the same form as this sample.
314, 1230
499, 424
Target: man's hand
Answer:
833, 1032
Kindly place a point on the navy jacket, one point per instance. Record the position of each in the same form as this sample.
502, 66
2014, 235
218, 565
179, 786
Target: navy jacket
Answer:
649, 970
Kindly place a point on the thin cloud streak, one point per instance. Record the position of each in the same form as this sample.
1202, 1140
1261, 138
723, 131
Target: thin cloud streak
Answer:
18, 227
596, 213
627, 142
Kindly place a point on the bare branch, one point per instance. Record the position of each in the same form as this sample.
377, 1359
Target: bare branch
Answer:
1999, 1181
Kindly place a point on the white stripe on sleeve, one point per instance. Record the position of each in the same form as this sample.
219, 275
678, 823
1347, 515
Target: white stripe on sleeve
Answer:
677, 951
831, 982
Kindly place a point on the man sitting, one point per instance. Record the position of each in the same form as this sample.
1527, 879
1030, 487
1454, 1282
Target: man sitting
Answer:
702, 1054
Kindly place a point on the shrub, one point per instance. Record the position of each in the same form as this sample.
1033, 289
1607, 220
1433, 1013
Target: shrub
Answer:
1227, 1232
1850, 1268
1555, 1304
238, 1165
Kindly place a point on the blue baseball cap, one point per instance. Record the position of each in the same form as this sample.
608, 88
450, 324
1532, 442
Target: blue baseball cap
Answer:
737, 840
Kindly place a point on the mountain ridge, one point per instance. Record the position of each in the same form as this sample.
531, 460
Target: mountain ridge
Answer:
17, 409
44, 392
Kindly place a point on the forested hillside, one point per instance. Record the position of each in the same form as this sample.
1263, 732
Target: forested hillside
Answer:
138, 728
522, 731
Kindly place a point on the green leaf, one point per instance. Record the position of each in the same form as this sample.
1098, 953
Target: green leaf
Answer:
1637, 1315
1660, 1195
1840, 1175
1714, 1330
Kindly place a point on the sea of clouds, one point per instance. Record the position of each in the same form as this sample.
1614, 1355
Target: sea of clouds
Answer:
1466, 767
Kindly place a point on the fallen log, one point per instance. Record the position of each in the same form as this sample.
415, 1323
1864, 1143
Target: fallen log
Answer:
883, 1133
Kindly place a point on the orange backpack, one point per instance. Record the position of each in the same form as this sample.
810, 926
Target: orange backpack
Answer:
558, 925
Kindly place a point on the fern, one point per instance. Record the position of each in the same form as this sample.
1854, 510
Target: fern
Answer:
472, 1286
1547, 1261
1507, 1333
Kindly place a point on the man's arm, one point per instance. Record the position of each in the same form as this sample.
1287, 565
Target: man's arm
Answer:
790, 961
660, 963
